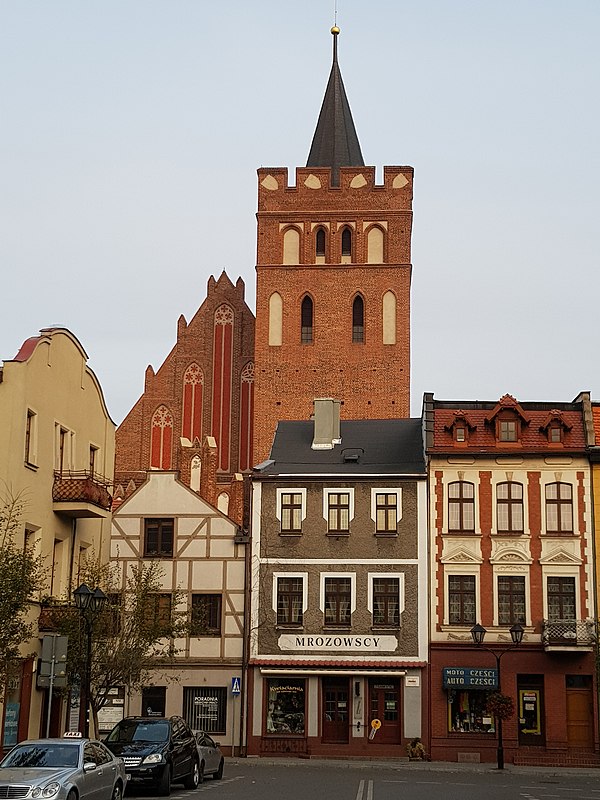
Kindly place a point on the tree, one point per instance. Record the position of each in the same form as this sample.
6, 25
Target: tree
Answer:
133, 636
20, 579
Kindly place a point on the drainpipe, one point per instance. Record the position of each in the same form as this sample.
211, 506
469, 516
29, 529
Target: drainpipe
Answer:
72, 556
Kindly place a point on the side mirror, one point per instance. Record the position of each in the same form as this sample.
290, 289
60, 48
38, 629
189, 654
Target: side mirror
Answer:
89, 766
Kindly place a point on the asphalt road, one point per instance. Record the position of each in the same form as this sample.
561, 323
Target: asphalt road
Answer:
256, 780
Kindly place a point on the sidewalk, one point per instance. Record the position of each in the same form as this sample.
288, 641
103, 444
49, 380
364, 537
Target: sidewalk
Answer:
405, 765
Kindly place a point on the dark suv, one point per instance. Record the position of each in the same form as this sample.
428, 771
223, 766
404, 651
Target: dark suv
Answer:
157, 751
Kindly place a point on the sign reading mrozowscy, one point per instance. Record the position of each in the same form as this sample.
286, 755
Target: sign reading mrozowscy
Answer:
338, 642
468, 677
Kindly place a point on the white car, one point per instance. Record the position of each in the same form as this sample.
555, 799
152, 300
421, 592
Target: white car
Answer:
211, 757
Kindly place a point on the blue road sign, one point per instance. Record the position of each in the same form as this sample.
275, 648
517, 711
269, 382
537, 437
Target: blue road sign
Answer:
235, 686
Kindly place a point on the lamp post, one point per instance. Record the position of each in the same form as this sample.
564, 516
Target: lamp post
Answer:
89, 603
478, 633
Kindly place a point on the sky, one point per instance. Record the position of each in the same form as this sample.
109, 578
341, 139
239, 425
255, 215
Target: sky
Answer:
131, 132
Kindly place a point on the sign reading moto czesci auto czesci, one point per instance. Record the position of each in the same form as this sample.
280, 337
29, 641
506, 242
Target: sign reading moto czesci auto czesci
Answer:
465, 677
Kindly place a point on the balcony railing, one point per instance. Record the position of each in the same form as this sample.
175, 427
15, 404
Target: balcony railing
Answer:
80, 488
561, 634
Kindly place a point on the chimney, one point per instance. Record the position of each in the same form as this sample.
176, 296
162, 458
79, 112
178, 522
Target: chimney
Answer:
327, 423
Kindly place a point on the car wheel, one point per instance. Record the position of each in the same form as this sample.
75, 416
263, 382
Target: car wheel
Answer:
201, 773
164, 787
193, 779
219, 773
117, 792
72, 795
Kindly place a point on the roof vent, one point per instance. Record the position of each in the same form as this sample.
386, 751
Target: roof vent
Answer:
352, 456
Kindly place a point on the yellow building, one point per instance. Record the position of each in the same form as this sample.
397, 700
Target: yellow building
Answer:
57, 456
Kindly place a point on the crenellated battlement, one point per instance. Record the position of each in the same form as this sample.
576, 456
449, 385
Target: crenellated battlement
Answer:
357, 189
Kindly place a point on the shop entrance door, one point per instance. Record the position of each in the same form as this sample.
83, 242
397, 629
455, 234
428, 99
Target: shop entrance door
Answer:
580, 713
531, 710
336, 710
384, 705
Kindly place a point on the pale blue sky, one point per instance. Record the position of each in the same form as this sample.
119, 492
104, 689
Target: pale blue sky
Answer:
132, 130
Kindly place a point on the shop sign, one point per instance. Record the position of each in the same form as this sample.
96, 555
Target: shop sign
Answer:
339, 643
468, 677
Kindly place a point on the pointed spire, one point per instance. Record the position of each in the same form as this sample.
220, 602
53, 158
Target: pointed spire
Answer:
335, 143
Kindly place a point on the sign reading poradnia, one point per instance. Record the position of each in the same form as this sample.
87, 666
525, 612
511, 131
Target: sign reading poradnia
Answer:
338, 642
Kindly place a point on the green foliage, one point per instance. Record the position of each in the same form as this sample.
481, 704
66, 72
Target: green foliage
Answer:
134, 635
20, 579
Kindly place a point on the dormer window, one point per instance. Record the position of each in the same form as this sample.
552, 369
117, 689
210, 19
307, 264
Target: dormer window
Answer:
555, 434
555, 427
460, 428
508, 430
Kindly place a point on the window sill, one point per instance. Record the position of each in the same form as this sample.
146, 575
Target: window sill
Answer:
338, 534
290, 534
386, 534
460, 533
385, 628
289, 626
157, 557
560, 535
338, 627
32, 467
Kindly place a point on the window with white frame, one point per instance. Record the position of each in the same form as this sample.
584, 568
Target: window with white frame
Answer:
386, 598
509, 507
338, 598
461, 506
291, 510
338, 510
559, 508
290, 591
511, 599
386, 510
462, 599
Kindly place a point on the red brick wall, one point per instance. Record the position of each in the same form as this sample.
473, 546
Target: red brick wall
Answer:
195, 344
371, 379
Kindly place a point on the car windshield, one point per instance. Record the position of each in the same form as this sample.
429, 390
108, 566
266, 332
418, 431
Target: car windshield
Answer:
43, 755
131, 730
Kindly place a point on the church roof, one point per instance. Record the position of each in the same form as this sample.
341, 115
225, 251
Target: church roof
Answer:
335, 143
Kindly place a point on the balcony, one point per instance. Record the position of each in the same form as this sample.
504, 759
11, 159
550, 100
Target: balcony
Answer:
81, 494
573, 635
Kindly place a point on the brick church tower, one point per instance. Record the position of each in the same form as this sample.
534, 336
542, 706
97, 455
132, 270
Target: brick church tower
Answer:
333, 280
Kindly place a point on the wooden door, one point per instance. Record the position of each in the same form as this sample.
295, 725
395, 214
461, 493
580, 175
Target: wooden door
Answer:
384, 705
580, 718
336, 711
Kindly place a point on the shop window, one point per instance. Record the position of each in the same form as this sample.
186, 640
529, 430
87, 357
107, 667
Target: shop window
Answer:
285, 707
559, 508
530, 696
509, 507
467, 712
205, 708
461, 506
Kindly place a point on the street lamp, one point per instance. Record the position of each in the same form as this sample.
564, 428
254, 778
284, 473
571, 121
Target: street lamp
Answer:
89, 603
478, 633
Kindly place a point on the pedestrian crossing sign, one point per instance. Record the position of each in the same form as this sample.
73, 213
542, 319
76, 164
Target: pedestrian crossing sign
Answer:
235, 686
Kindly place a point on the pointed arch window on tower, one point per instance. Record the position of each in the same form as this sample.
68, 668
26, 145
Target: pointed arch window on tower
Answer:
306, 335
320, 242
346, 245
358, 320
